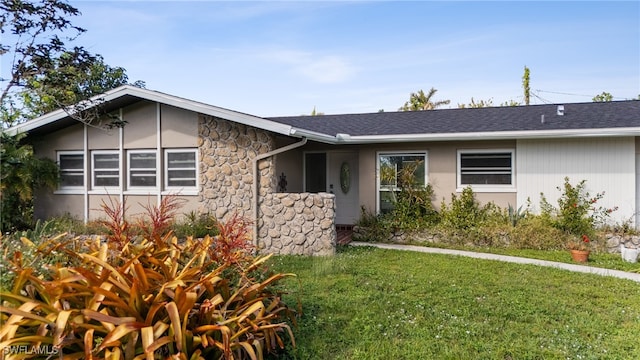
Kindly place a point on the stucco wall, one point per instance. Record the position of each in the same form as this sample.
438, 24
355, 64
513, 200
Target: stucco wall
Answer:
290, 164
441, 167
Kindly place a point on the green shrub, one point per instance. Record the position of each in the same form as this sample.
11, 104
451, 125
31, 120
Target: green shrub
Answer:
412, 209
413, 206
466, 214
147, 296
577, 212
373, 227
196, 225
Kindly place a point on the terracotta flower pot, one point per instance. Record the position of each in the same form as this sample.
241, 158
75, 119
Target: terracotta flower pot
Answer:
580, 255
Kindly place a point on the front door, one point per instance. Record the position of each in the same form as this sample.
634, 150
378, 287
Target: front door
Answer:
335, 172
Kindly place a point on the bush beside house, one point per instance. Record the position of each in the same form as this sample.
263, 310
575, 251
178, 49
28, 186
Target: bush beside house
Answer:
466, 222
139, 292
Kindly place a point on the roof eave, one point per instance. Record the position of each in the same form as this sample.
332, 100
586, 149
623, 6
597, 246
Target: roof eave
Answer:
501, 135
150, 95
313, 136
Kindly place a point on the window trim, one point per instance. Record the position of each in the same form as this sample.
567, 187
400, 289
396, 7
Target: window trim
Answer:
180, 189
486, 187
101, 188
424, 153
71, 189
144, 189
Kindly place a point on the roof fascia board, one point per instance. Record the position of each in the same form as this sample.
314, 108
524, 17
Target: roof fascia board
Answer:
314, 136
61, 113
150, 95
222, 113
504, 135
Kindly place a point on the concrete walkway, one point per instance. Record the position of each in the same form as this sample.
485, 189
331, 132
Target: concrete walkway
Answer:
513, 259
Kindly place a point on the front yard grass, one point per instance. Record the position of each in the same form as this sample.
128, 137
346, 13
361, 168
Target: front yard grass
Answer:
367, 303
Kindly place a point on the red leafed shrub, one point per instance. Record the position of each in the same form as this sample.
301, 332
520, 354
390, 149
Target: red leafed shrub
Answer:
233, 244
148, 297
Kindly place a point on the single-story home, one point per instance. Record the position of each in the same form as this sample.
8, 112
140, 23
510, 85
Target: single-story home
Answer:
299, 177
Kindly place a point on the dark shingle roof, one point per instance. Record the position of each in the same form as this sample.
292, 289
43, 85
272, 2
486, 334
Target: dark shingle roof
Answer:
618, 114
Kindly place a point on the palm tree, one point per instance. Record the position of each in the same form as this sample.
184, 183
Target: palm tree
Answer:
421, 101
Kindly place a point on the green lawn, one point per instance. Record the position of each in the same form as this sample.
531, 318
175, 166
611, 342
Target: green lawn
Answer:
369, 303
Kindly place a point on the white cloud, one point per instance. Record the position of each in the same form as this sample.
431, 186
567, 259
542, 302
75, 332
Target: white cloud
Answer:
323, 69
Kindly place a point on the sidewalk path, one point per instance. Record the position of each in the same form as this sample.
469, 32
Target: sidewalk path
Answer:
513, 259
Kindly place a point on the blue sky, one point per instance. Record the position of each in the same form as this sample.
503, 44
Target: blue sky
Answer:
272, 58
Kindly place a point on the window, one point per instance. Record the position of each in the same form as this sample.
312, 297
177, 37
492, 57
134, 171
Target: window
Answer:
393, 169
180, 168
490, 168
142, 169
106, 169
71, 165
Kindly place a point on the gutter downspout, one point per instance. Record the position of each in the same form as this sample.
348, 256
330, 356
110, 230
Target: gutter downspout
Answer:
256, 182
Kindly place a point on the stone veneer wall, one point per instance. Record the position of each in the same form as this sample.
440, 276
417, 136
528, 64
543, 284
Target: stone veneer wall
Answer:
227, 150
288, 223
300, 224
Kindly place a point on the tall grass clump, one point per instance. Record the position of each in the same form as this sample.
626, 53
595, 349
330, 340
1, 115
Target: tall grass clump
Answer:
148, 295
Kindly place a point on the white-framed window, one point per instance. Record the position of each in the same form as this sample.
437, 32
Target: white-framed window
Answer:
486, 169
71, 164
390, 169
180, 169
142, 170
105, 168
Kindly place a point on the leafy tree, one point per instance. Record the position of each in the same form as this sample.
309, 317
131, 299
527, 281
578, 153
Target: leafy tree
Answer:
510, 102
316, 113
420, 101
603, 97
526, 86
75, 77
37, 27
479, 104
45, 72
20, 174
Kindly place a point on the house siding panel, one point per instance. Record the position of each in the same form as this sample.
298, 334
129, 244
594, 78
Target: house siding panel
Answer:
140, 131
48, 205
179, 127
70, 138
607, 164
103, 139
